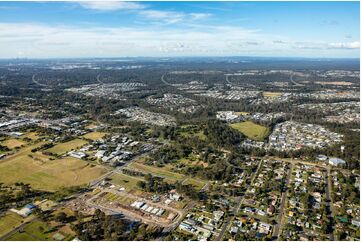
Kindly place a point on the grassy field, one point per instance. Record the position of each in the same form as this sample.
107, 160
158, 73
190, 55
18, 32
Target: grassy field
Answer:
251, 130
13, 143
67, 146
129, 182
33, 231
8, 222
168, 175
45, 174
271, 94
242, 113
94, 135
198, 184
91, 126
123, 199
159, 171
198, 134
32, 135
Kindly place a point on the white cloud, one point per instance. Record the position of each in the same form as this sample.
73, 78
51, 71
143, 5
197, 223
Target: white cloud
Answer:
324, 45
166, 16
197, 16
344, 45
171, 17
42, 41
111, 5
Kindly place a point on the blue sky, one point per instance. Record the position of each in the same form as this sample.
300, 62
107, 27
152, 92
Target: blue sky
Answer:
115, 29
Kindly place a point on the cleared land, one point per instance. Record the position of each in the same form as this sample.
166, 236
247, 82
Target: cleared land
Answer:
35, 230
198, 134
251, 130
271, 94
242, 113
67, 146
8, 222
158, 171
32, 135
168, 175
335, 83
128, 182
42, 173
13, 143
94, 135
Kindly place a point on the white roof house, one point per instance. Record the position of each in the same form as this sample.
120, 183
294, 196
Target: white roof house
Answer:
336, 161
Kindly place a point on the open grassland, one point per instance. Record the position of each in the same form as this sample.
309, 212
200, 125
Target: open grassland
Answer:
94, 135
121, 198
32, 135
12, 143
198, 184
8, 222
35, 230
251, 130
158, 171
43, 173
62, 148
168, 175
271, 94
91, 126
242, 113
128, 182
198, 134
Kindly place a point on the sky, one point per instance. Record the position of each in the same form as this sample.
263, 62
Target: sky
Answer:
166, 29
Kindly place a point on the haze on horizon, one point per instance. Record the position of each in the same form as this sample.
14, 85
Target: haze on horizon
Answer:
172, 29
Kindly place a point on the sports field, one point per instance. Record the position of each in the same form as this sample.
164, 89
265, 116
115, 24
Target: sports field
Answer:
251, 130
45, 174
62, 148
94, 135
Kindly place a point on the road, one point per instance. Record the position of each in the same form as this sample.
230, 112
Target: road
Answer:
237, 206
164, 81
278, 227
116, 170
98, 78
130, 214
36, 82
15, 230
328, 188
293, 82
227, 80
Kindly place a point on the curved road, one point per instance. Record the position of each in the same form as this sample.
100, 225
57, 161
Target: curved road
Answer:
164, 81
38, 83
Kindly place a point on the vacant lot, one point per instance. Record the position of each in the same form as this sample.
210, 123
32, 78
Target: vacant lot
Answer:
8, 222
94, 135
251, 130
67, 146
242, 113
168, 175
35, 230
129, 182
42, 173
13, 143
271, 94
198, 184
32, 135
157, 171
